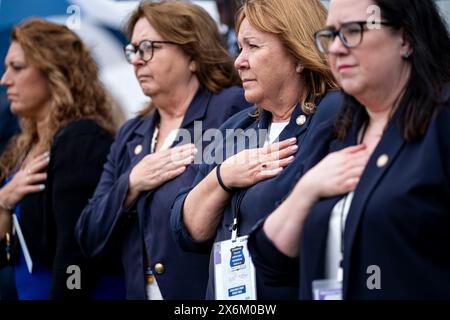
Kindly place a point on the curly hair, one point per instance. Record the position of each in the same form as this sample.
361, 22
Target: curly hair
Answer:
195, 31
75, 89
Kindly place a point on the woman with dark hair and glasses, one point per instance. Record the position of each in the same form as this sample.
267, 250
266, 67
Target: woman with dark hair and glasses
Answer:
371, 220
181, 65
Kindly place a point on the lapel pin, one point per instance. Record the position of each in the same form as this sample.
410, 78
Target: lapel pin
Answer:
138, 149
382, 160
300, 120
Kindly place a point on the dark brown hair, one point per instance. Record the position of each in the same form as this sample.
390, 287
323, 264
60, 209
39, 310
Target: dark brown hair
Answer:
195, 31
427, 33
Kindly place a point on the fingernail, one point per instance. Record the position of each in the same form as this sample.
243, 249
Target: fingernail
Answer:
290, 158
293, 139
42, 186
294, 147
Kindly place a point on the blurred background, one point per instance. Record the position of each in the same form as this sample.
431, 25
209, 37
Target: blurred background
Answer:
100, 24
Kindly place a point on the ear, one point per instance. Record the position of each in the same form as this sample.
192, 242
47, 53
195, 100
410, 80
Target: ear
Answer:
406, 50
193, 66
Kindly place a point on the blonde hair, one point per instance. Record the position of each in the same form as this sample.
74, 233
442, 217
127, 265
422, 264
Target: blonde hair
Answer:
195, 31
294, 22
72, 78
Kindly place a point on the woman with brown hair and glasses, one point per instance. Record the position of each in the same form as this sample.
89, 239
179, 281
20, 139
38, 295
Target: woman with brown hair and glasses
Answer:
180, 63
51, 168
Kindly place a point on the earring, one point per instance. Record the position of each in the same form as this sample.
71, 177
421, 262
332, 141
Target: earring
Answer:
299, 68
406, 55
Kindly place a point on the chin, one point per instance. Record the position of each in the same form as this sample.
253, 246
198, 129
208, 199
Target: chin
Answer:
251, 97
351, 87
148, 91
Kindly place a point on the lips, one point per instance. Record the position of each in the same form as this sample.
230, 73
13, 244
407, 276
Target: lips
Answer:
11, 96
143, 77
247, 80
344, 67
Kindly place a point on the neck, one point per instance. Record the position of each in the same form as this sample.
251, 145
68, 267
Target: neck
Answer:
283, 114
42, 123
284, 105
381, 104
173, 105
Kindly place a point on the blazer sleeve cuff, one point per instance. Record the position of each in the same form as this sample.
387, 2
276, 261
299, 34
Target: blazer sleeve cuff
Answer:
274, 267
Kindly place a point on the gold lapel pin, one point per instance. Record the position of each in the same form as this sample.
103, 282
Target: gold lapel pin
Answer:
300, 120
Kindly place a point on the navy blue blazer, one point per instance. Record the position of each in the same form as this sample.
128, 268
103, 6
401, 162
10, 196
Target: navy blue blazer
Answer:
104, 225
261, 199
399, 220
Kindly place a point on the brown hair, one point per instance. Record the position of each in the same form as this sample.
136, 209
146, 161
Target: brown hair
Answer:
75, 89
294, 23
195, 31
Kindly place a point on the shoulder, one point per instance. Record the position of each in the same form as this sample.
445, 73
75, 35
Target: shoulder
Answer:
234, 92
78, 129
241, 119
233, 96
329, 105
80, 141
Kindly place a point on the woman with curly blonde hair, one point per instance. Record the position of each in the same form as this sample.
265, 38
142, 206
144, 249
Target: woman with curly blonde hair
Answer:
51, 168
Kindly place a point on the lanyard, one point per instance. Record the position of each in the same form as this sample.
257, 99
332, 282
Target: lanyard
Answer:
236, 208
340, 274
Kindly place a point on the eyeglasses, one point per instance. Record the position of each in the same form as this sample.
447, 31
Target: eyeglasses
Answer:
350, 33
145, 48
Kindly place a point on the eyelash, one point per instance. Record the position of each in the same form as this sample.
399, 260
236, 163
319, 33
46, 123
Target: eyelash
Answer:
17, 68
251, 46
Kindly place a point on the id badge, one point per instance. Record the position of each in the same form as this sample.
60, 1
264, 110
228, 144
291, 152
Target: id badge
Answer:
234, 272
328, 289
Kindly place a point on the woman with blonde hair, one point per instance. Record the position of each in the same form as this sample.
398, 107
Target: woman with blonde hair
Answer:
51, 168
288, 80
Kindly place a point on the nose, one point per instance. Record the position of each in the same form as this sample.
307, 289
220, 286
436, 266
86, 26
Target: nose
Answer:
337, 47
241, 61
136, 60
6, 79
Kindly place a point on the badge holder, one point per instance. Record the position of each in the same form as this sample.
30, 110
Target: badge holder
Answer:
328, 289
234, 272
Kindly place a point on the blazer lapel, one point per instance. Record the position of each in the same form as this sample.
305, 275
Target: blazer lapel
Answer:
298, 124
139, 146
379, 163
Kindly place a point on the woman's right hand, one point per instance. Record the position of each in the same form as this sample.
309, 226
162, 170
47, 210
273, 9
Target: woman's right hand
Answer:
251, 166
159, 167
28, 179
338, 173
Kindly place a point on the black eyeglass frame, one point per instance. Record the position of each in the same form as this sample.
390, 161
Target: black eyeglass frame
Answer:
339, 33
138, 50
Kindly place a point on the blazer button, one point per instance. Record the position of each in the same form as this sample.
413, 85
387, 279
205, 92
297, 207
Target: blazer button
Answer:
138, 149
300, 120
159, 268
382, 160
